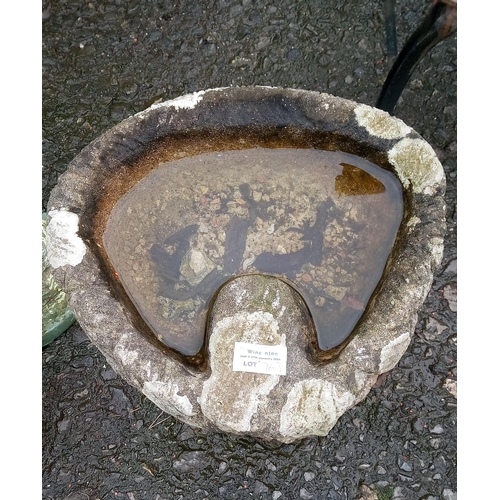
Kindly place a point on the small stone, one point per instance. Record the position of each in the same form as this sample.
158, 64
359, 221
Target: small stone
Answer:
270, 465
399, 493
81, 394
293, 54
449, 494
418, 425
433, 329
197, 262
187, 433
415, 84
241, 62
404, 465
190, 460
319, 301
451, 267
63, 425
359, 72
276, 494
64, 477
450, 294
438, 429
305, 495
435, 443
108, 374
309, 476
260, 488
195, 266
337, 292
263, 42
451, 386
366, 493
82, 362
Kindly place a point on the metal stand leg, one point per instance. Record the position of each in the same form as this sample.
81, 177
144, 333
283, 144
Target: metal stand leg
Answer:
440, 23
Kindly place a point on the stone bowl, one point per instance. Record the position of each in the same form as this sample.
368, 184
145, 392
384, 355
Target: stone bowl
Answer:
56, 315
206, 390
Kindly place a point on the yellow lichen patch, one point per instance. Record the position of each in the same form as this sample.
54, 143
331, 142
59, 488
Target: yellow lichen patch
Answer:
416, 163
380, 124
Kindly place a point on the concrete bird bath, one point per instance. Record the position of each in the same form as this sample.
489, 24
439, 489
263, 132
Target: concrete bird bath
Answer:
252, 258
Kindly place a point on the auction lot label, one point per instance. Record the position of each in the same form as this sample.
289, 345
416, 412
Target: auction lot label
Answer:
258, 358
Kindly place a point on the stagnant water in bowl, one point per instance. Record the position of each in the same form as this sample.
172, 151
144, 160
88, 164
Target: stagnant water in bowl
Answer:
326, 221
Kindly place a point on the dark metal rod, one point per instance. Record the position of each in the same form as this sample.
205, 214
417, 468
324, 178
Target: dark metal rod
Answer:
437, 25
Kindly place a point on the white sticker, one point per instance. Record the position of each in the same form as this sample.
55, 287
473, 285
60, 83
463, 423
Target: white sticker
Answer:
258, 358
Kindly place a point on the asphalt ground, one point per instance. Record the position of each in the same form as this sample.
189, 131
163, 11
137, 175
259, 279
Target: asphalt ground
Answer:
101, 438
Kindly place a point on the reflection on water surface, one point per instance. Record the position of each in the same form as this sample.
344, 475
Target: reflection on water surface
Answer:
326, 221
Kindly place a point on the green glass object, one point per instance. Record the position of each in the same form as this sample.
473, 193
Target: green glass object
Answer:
56, 315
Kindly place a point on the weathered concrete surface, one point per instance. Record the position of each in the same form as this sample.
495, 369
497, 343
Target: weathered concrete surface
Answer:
257, 310
382, 335
309, 399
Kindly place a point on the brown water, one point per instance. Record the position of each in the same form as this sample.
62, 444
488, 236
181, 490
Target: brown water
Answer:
326, 221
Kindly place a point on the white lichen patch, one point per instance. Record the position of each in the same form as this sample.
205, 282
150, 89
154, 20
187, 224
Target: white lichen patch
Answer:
413, 222
188, 101
416, 163
239, 410
125, 355
392, 352
232, 398
250, 327
436, 246
166, 396
362, 380
380, 124
147, 368
362, 353
64, 246
312, 408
